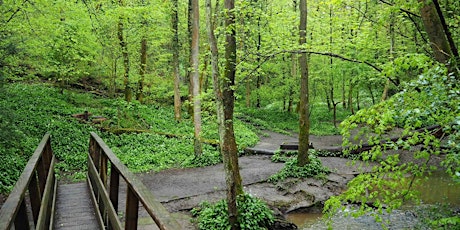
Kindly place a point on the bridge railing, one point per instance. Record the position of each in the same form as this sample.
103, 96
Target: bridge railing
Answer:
104, 172
39, 182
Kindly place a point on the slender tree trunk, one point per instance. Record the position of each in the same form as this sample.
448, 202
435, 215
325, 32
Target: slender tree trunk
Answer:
371, 93
294, 66
344, 103
229, 149
215, 70
189, 67
204, 76
358, 106
248, 93
259, 78
143, 68
304, 120
385, 90
175, 47
195, 76
124, 51
350, 97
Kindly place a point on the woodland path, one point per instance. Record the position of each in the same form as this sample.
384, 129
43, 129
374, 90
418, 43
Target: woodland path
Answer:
183, 189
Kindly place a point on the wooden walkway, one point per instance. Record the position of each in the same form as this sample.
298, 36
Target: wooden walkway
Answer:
74, 208
38, 201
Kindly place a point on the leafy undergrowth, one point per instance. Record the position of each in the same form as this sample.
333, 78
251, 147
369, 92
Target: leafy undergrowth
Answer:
292, 170
28, 111
273, 118
253, 214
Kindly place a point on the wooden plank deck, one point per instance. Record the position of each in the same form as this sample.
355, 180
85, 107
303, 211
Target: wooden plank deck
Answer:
74, 208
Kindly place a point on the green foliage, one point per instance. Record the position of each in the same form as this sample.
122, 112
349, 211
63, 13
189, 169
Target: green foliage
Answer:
439, 216
431, 99
291, 169
273, 118
406, 67
27, 112
281, 156
253, 214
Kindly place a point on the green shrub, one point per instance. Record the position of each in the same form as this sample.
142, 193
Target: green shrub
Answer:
253, 214
291, 169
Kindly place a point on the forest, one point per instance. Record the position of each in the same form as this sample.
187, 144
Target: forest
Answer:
204, 77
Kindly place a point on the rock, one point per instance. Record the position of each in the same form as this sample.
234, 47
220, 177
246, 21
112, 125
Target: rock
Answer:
282, 224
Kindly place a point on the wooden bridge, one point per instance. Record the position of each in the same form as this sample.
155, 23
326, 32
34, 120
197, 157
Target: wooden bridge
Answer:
39, 201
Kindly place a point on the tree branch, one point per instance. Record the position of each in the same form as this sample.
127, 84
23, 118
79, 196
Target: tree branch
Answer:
329, 54
16, 11
401, 9
346, 59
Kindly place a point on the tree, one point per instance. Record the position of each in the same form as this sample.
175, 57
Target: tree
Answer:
195, 76
228, 143
175, 47
304, 120
442, 44
124, 50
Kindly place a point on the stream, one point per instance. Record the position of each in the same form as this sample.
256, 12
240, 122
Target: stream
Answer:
436, 189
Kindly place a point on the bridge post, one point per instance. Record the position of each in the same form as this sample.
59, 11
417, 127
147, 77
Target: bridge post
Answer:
132, 209
21, 221
35, 197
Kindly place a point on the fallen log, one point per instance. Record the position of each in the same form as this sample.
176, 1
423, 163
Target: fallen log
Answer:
435, 130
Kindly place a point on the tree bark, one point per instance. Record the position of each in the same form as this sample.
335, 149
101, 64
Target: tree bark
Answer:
259, 78
142, 71
195, 77
215, 70
175, 47
431, 20
350, 97
248, 93
304, 120
294, 67
228, 147
124, 51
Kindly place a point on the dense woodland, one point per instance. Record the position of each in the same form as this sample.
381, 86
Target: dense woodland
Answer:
203, 73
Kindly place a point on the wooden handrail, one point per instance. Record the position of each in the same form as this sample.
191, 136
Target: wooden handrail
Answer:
39, 181
100, 158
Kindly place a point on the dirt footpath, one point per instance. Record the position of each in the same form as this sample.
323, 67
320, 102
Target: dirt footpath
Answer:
184, 189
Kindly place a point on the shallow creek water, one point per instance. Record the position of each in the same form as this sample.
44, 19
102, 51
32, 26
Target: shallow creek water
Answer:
436, 189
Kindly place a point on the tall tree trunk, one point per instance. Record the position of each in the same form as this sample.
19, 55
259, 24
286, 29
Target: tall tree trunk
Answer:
195, 76
248, 93
328, 101
189, 67
439, 35
175, 47
344, 103
304, 120
204, 75
259, 78
385, 90
392, 49
294, 67
228, 147
125, 54
371, 93
215, 70
350, 97
143, 68
358, 105
294, 61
